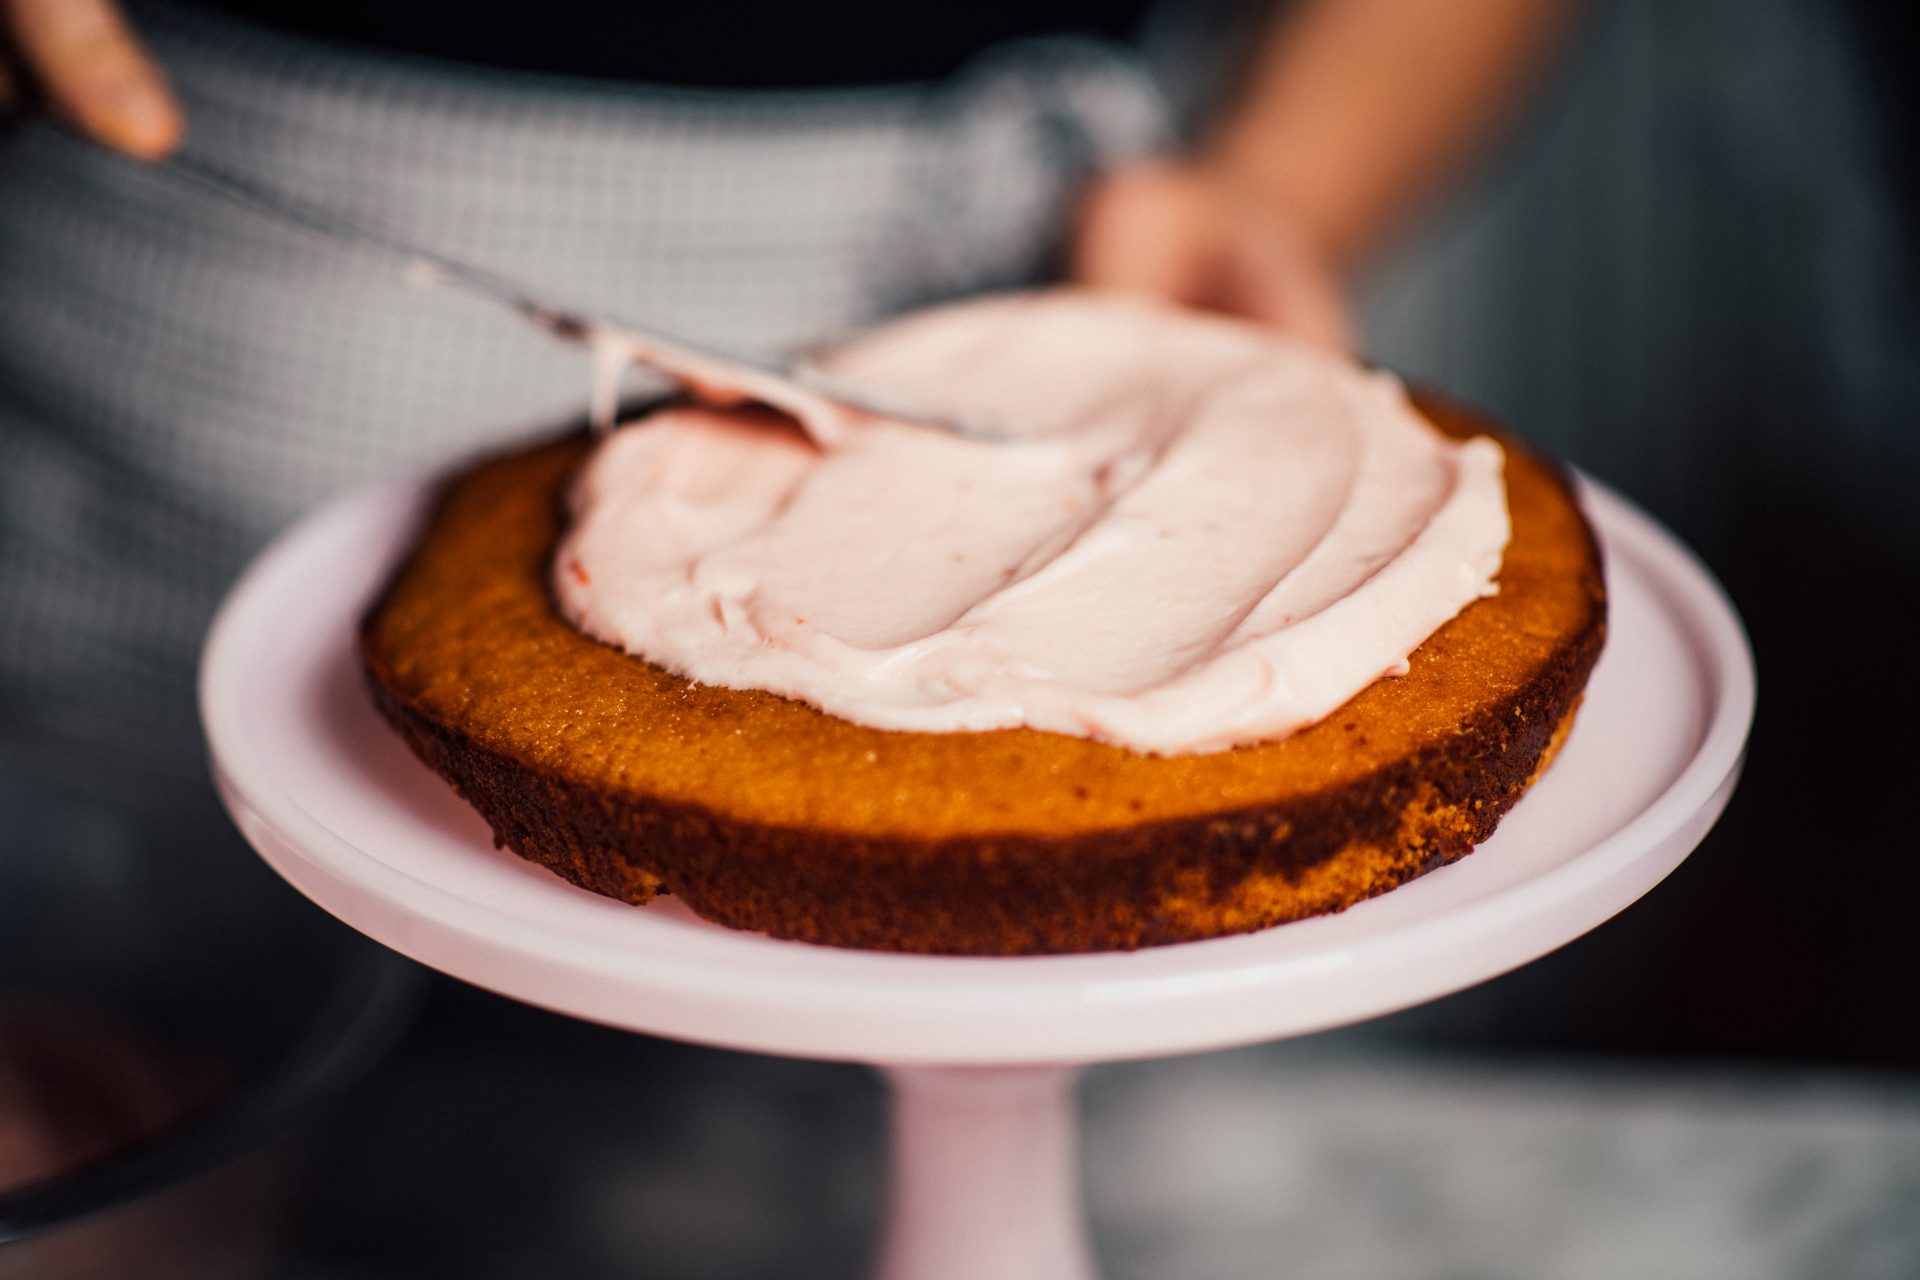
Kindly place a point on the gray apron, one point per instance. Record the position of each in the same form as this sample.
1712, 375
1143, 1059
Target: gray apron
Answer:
179, 378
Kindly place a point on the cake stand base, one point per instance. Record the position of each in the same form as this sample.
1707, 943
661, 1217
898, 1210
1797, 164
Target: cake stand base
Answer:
985, 1180
981, 1052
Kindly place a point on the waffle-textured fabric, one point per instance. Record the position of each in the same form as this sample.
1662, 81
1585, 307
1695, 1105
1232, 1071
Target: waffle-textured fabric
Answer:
179, 377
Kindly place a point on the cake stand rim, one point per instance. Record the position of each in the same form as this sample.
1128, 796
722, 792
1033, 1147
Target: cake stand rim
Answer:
872, 1020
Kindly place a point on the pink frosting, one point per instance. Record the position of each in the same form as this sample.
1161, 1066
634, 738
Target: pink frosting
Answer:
1207, 534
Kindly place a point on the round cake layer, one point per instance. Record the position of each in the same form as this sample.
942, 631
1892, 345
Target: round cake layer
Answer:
762, 813
1105, 570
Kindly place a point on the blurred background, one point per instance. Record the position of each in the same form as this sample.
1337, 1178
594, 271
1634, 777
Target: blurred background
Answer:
1687, 263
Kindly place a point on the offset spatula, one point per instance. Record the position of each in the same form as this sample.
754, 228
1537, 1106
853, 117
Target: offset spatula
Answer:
701, 369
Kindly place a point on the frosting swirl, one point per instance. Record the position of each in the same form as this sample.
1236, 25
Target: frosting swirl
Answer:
1206, 535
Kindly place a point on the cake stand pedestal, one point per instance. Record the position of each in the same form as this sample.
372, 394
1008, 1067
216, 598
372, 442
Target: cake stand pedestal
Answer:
981, 1053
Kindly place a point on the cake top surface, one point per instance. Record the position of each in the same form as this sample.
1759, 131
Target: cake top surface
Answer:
1205, 535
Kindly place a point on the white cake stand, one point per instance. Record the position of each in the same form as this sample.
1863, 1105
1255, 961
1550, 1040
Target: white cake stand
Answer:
981, 1053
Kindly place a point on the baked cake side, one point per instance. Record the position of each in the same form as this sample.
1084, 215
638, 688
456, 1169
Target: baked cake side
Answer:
765, 814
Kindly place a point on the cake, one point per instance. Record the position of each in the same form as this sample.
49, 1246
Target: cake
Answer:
958, 826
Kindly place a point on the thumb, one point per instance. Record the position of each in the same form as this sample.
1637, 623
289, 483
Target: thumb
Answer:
92, 69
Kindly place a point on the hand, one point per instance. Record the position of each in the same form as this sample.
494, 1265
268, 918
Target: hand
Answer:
1184, 232
84, 60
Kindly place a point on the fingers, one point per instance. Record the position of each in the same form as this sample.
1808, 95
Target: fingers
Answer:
1179, 233
1281, 279
1142, 230
89, 66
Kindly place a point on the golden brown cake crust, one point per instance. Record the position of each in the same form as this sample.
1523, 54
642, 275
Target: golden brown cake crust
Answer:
762, 813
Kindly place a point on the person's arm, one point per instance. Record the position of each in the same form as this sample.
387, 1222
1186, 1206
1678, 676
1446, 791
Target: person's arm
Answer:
1360, 109
81, 56
1353, 113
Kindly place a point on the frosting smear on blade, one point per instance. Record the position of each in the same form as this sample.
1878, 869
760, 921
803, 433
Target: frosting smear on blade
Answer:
1207, 535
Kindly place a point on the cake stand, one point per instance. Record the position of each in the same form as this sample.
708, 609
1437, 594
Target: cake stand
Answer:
981, 1053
